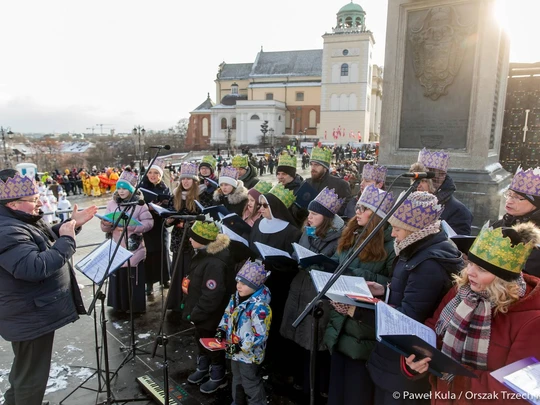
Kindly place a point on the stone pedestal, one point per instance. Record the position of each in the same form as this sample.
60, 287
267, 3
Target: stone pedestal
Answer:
444, 88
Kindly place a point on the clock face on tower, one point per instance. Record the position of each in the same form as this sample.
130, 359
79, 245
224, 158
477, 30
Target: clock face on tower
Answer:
345, 52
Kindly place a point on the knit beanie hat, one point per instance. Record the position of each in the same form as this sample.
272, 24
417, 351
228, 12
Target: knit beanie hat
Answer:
158, 165
16, 186
229, 175
262, 187
371, 198
203, 232
252, 274
321, 156
527, 184
189, 171
419, 210
208, 161
326, 203
287, 164
127, 180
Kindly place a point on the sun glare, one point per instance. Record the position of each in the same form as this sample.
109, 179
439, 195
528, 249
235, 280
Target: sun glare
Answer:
519, 18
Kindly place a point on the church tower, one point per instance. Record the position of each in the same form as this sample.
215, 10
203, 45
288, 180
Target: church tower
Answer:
346, 78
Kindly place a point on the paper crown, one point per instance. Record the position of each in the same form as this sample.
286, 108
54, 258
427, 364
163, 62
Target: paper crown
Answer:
204, 232
287, 160
527, 182
230, 172
494, 252
130, 177
159, 165
326, 203
253, 274
262, 187
419, 210
285, 196
240, 161
371, 198
321, 156
17, 187
374, 173
189, 171
434, 160
208, 161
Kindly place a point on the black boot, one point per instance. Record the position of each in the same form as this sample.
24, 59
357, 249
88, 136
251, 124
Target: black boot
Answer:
203, 365
217, 379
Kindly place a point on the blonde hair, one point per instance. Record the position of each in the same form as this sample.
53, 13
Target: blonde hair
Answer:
419, 167
500, 292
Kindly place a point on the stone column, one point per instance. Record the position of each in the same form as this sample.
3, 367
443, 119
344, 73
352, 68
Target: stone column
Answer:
446, 67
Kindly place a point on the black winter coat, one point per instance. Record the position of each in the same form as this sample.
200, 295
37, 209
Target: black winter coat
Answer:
532, 265
342, 187
211, 282
38, 289
250, 179
298, 213
455, 212
153, 238
421, 277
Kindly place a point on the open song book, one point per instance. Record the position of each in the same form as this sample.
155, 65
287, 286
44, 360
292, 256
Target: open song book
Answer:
522, 377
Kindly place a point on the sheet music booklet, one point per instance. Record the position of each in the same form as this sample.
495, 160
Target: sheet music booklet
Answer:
407, 336
95, 264
214, 210
307, 258
522, 377
113, 217
160, 210
348, 290
273, 255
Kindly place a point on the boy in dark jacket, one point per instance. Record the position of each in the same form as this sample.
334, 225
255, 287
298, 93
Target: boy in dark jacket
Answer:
206, 290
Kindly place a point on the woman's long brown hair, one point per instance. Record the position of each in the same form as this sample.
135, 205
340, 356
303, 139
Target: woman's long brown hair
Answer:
374, 251
192, 195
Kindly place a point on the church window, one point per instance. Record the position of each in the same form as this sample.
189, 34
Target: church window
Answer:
345, 52
233, 123
269, 96
348, 22
300, 96
205, 127
224, 123
254, 117
345, 69
312, 118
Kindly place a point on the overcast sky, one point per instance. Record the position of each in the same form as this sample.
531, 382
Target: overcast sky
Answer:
69, 65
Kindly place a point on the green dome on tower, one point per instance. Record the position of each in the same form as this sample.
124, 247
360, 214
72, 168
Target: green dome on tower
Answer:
351, 17
351, 7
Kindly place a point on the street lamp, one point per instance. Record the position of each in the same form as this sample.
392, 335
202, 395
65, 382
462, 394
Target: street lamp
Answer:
271, 133
138, 131
7, 163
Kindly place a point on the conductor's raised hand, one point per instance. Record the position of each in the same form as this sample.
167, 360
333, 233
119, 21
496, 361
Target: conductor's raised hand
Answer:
67, 229
82, 217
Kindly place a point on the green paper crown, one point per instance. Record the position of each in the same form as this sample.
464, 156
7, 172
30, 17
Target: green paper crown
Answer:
493, 247
240, 161
263, 187
285, 196
321, 155
287, 160
209, 160
206, 230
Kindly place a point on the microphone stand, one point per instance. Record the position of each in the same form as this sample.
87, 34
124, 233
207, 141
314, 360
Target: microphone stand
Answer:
313, 305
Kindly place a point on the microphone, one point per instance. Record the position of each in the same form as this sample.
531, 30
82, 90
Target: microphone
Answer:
132, 204
166, 147
419, 175
187, 217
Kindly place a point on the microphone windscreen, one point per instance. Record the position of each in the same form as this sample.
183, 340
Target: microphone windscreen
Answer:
167, 147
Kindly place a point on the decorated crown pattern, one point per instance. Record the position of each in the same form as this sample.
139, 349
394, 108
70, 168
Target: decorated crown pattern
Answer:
493, 247
371, 198
322, 155
130, 177
253, 272
17, 187
229, 171
160, 163
239, 161
329, 200
374, 173
209, 160
527, 182
287, 160
189, 169
206, 230
434, 160
419, 210
285, 196
263, 187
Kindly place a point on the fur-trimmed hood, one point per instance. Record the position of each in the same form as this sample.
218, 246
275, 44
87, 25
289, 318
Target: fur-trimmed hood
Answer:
221, 243
238, 195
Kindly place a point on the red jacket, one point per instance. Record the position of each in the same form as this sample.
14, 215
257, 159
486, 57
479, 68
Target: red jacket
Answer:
513, 337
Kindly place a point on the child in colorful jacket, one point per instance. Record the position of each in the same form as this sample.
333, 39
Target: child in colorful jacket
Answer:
244, 327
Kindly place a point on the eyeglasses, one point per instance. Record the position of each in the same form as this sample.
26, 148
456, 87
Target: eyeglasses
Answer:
33, 201
265, 205
361, 208
513, 196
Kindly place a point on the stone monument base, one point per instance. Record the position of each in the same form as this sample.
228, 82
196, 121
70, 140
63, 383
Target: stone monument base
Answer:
480, 190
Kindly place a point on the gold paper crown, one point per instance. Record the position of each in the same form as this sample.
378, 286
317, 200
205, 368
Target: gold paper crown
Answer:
210, 161
263, 187
322, 156
497, 255
285, 196
287, 160
240, 161
17, 187
206, 230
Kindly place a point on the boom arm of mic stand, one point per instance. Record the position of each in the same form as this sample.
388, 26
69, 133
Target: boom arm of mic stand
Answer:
342, 267
111, 259
142, 176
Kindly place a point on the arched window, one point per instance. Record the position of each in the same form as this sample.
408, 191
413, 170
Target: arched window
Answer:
205, 127
348, 22
287, 119
312, 118
234, 123
224, 123
345, 69
255, 117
